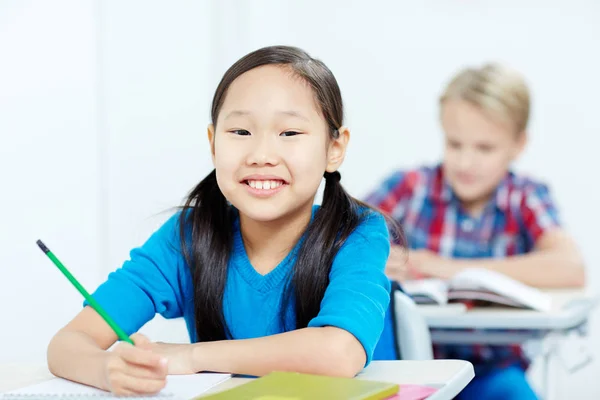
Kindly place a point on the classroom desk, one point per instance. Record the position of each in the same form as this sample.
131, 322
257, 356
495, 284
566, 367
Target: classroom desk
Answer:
570, 310
495, 325
449, 376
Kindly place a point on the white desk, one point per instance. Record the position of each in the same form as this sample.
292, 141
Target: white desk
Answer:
495, 325
449, 376
570, 310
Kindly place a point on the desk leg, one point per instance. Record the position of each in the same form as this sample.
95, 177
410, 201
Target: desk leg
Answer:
549, 385
546, 369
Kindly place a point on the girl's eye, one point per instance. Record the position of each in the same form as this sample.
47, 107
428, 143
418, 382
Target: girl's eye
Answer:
290, 133
240, 132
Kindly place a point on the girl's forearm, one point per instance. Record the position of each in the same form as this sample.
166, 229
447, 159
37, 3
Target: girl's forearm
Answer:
75, 356
324, 351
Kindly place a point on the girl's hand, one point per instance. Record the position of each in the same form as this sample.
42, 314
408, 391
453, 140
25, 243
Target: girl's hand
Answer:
180, 357
134, 370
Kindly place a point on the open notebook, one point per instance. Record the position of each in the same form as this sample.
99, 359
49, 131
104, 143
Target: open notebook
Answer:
179, 387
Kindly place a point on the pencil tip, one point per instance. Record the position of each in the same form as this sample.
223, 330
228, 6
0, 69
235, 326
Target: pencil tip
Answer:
42, 246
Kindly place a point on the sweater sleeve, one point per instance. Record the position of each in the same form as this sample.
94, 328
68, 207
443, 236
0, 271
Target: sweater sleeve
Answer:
358, 296
150, 282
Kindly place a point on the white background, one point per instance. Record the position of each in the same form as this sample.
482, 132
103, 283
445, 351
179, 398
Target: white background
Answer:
104, 107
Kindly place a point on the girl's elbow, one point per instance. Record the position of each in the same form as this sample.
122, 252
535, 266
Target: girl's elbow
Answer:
51, 352
351, 365
349, 358
351, 368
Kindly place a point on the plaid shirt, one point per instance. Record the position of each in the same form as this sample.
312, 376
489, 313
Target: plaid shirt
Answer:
432, 218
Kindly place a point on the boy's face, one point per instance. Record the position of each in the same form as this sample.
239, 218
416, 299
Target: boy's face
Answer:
478, 151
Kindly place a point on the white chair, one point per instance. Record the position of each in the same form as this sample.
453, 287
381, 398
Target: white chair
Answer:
412, 332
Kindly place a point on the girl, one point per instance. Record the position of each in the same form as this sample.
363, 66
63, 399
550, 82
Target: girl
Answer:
265, 280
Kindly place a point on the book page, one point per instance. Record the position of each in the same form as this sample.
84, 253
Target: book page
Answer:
435, 289
178, 387
479, 279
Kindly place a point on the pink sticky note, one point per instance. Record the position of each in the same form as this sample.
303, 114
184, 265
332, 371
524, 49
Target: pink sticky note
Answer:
413, 392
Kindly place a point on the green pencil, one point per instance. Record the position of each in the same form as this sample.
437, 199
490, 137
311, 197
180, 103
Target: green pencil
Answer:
120, 332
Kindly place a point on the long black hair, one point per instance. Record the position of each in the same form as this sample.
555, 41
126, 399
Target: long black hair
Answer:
206, 219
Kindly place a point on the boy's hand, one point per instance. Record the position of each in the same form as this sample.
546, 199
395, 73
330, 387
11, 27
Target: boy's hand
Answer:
398, 267
134, 370
426, 263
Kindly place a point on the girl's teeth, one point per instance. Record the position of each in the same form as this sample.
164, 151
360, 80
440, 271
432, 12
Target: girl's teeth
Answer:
264, 185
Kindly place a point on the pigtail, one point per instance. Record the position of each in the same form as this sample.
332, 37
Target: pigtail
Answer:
206, 242
334, 221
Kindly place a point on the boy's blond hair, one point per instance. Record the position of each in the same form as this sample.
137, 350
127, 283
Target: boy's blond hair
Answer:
497, 90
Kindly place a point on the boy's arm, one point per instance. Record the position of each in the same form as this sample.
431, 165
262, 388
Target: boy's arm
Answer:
555, 263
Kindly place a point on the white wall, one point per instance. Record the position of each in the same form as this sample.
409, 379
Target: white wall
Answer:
156, 93
156, 97
121, 91
48, 168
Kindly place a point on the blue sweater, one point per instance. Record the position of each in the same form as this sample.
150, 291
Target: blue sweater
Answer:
157, 279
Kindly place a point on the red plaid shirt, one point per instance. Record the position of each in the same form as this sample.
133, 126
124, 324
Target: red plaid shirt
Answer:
520, 211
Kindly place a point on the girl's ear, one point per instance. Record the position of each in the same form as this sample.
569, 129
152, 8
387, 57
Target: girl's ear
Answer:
211, 140
337, 150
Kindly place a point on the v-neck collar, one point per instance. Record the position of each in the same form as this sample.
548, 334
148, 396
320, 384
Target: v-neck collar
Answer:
261, 283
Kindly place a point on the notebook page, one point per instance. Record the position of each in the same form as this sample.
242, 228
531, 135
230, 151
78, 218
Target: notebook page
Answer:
178, 387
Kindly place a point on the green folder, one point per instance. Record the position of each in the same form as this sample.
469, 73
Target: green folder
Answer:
296, 386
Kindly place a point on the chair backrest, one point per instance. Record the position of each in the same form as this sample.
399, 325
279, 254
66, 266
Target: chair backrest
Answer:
412, 332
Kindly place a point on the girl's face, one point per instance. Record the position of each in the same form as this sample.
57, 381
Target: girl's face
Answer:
271, 144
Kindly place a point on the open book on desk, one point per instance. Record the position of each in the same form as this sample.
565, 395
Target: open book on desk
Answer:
478, 286
179, 387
